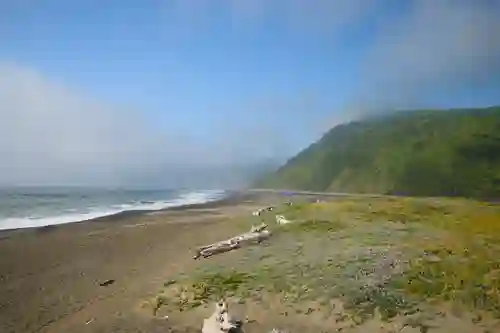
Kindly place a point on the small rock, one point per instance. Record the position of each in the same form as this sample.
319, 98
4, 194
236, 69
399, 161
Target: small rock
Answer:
107, 283
169, 283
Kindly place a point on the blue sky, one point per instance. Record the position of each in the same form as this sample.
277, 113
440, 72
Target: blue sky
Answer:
146, 56
207, 74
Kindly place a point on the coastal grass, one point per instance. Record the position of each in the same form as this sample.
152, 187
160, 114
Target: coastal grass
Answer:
391, 256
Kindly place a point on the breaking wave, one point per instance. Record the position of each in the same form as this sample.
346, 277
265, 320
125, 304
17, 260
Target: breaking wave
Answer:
78, 214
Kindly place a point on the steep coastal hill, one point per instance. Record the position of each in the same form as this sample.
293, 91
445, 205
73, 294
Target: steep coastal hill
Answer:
426, 152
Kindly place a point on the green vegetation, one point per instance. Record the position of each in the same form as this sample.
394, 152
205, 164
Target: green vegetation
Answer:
419, 153
391, 256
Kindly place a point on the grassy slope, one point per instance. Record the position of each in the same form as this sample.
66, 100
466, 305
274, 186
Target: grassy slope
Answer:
345, 262
427, 153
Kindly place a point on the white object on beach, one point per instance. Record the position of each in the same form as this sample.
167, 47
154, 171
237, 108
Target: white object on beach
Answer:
220, 321
256, 235
257, 212
280, 219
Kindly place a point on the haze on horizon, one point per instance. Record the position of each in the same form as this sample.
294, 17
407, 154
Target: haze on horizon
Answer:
179, 92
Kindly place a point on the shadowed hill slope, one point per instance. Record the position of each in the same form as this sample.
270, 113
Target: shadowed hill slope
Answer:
428, 152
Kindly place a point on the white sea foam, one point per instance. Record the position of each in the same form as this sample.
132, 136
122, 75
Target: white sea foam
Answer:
70, 215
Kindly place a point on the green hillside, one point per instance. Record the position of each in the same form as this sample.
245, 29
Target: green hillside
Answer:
430, 152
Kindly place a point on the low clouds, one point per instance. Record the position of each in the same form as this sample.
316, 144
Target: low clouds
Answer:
51, 134
436, 47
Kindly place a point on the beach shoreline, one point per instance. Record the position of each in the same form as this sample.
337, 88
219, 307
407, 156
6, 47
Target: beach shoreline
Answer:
229, 197
105, 275
50, 276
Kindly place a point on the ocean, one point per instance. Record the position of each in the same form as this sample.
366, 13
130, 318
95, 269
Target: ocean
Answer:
41, 206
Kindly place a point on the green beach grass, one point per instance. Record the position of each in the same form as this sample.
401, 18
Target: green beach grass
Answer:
391, 256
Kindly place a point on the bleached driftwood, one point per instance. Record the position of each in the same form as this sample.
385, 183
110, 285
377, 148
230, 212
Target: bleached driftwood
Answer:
261, 227
256, 235
280, 219
220, 321
257, 212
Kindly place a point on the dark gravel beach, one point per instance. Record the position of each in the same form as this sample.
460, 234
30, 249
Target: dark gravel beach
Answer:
50, 276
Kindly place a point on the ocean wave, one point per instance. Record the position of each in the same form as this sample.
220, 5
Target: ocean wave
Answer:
70, 215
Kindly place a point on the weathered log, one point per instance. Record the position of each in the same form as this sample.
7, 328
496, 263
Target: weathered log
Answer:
259, 211
220, 321
256, 235
258, 228
280, 219
220, 248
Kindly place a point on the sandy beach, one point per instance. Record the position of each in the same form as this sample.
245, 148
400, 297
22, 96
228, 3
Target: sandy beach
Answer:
50, 276
344, 265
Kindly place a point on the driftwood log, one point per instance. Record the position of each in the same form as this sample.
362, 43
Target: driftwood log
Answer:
256, 235
220, 321
259, 211
280, 219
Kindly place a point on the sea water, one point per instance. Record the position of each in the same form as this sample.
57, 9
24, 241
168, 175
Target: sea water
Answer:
25, 207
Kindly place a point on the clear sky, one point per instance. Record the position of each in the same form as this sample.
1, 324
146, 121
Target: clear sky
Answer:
96, 91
